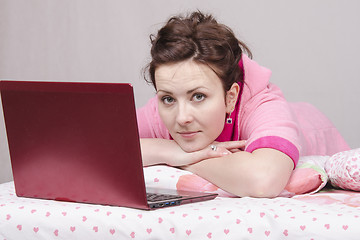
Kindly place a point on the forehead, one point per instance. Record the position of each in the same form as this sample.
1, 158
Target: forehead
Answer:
186, 74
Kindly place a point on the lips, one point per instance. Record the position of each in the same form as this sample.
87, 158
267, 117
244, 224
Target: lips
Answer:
188, 134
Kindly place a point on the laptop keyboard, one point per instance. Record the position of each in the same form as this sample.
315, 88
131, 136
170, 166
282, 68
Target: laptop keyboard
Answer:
154, 197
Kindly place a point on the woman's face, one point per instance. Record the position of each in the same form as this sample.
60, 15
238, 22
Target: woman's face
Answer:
191, 103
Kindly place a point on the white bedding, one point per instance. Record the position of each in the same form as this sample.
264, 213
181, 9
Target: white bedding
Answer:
324, 215
329, 214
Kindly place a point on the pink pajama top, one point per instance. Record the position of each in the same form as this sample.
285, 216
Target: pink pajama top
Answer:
264, 118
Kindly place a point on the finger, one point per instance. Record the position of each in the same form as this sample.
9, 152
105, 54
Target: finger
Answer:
232, 144
234, 150
218, 151
212, 151
205, 153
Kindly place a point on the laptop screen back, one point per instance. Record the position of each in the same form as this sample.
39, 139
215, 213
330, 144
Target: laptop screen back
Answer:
74, 142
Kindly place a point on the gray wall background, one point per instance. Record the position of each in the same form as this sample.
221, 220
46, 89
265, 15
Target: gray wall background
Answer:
312, 47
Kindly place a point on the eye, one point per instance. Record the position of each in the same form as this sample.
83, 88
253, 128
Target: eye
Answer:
198, 97
167, 100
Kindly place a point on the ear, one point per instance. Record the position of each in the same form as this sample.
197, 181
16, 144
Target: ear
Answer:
231, 97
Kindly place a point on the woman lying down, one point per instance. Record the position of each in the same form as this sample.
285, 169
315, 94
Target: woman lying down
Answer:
216, 114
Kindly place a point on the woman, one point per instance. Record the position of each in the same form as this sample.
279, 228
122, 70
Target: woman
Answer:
217, 115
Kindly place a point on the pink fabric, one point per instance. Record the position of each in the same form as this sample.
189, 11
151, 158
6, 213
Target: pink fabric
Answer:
343, 169
277, 143
149, 122
265, 119
318, 135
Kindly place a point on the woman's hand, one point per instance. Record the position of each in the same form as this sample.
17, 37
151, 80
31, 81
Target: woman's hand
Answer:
230, 146
215, 150
162, 151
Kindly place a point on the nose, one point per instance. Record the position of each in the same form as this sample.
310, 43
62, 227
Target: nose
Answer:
184, 114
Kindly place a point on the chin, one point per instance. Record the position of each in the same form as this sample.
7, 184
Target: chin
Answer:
191, 147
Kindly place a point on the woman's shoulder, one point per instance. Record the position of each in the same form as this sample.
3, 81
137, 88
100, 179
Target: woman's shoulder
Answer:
149, 122
256, 78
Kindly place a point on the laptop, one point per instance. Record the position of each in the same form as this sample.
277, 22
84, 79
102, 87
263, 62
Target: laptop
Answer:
79, 142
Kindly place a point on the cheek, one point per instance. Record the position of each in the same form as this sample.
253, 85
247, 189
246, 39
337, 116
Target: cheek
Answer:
166, 116
215, 117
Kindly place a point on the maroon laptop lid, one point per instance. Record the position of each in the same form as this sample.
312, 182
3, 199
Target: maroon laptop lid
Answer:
71, 141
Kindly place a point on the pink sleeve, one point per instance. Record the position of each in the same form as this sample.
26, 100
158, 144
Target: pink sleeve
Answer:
267, 122
149, 122
278, 143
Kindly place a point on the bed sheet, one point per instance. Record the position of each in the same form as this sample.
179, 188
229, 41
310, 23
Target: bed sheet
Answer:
330, 214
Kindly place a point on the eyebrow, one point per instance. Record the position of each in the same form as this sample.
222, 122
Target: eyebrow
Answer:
188, 92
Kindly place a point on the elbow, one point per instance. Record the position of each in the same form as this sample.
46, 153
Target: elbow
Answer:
265, 185
268, 180
264, 190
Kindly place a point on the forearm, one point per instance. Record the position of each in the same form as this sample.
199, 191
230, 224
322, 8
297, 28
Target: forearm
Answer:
164, 151
154, 150
263, 173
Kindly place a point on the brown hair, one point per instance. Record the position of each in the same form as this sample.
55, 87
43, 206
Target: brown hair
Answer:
201, 38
